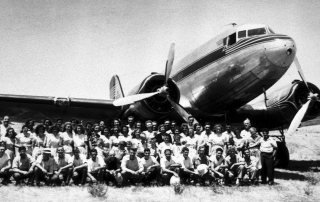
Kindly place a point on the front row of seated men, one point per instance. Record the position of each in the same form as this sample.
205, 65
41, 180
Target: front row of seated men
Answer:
131, 169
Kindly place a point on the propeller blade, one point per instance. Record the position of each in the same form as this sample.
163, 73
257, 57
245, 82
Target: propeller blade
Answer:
298, 118
133, 98
169, 63
296, 62
181, 111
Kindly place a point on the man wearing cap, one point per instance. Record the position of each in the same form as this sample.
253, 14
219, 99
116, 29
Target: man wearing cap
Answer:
96, 168
4, 126
79, 171
187, 172
64, 168
45, 167
151, 167
22, 166
131, 167
169, 167
5, 164
113, 174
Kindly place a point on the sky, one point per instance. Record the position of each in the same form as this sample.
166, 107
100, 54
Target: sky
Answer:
74, 47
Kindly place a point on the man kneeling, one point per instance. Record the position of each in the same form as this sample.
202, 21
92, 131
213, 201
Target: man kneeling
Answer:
131, 167
44, 167
79, 167
23, 166
96, 168
64, 168
249, 167
169, 167
187, 172
151, 167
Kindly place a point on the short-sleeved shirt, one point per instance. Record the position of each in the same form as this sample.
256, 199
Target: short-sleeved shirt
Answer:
268, 145
245, 134
52, 140
79, 140
26, 141
186, 163
119, 153
164, 163
9, 142
197, 160
62, 162
23, 164
49, 165
215, 162
125, 139
80, 161
95, 164
163, 146
147, 163
229, 135
134, 164
4, 160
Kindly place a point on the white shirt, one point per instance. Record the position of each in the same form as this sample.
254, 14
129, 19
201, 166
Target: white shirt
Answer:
245, 134
267, 145
95, 164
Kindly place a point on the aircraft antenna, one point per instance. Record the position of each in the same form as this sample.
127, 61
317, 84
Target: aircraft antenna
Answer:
233, 24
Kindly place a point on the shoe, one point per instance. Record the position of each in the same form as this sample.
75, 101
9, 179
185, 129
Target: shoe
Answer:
270, 183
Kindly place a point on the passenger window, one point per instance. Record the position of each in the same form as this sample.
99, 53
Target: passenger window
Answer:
242, 34
259, 31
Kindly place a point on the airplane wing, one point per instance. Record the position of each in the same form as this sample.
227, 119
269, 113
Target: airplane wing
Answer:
26, 106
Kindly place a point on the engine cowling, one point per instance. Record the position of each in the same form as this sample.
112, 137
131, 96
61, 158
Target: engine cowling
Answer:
156, 106
284, 103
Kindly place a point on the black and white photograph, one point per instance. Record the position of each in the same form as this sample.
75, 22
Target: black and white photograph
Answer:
158, 100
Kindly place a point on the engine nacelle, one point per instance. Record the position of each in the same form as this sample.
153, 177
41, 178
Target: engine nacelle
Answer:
156, 106
283, 104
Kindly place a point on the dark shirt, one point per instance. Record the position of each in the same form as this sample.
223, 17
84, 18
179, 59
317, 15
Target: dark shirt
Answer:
111, 163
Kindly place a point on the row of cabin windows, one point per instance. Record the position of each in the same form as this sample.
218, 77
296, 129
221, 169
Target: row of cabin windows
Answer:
232, 39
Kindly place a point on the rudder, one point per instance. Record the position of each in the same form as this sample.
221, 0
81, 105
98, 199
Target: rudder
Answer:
116, 91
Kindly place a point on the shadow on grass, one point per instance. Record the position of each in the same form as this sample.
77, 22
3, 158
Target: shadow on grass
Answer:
282, 174
304, 166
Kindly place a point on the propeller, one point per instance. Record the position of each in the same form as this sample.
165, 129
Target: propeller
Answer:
163, 91
302, 111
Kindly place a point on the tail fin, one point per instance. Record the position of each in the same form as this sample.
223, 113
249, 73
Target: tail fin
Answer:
116, 91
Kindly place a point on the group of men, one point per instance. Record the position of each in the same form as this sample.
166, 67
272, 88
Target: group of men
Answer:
122, 166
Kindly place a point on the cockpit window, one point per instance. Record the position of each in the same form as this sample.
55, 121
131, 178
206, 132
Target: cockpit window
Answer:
230, 40
242, 34
259, 31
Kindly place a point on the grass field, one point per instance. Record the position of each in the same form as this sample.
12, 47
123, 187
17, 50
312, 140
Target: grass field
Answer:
300, 182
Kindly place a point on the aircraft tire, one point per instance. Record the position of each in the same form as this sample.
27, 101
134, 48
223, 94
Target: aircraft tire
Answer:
283, 157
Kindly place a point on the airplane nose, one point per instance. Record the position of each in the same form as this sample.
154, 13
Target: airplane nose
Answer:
282, 52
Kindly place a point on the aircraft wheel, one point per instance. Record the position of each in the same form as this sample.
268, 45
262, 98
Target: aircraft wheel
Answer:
283, 157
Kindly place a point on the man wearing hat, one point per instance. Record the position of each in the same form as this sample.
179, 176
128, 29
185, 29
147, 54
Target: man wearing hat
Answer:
79, 167
64, 164
131, 167
96, 168
45, 167
5, 164
23, 166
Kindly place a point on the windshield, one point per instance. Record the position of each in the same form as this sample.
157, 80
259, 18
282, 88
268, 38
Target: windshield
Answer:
271, 31
258, 31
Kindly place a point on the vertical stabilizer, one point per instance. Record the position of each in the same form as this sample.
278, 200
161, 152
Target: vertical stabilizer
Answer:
116, 91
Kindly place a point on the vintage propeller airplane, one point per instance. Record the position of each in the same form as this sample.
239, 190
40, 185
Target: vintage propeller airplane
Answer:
214, 83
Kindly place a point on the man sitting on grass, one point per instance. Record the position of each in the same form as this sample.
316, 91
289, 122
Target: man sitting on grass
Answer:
131, 168
187, 172
218, 166
79, 167
44, 167
23, 166
5, 164
169, 167
151, 167
96, 168
64, 168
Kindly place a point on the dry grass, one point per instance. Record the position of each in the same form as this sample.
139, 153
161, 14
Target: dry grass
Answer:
300, 182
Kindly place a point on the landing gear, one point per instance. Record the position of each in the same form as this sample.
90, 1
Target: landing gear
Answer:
283, 157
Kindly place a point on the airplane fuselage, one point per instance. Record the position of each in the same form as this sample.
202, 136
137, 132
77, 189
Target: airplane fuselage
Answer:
220, 76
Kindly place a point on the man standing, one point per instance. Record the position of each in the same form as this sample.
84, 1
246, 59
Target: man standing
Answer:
64, 168
5, 164
229, 132
44, 168
203, 140
187, 172
4, 126
190, 122
23, 166
245, 133
268, 149
151, 167
96, 168
149, 132
131, 123
79, 167
131, 167
169, 167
